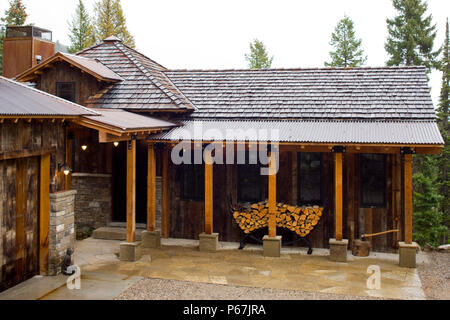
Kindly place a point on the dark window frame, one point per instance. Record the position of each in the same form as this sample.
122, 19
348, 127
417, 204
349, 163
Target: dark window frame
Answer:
199, 194
300, 201
74, 90
244, 168
363, 182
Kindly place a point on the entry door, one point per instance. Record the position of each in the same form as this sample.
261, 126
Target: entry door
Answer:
19, 208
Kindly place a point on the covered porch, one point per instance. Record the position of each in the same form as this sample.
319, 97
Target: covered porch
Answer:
195, 198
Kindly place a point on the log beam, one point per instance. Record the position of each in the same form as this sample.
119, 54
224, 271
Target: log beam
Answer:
131, 191
338, 195
208, 193
151, 189
272, 196
408, 190
44, 213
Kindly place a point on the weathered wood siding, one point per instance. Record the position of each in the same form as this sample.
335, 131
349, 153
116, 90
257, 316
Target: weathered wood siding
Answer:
19, 220
85, 84
25, 137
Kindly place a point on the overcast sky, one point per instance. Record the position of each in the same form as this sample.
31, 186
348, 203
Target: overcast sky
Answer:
212, 34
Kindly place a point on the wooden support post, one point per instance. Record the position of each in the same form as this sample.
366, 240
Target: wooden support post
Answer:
44, 213
68, 160
131, 191
272, 196
151, 189
208, 193
165, 196
408, 189
338, 195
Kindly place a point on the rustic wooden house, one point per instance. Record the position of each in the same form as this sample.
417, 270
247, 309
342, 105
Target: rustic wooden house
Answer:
344, 144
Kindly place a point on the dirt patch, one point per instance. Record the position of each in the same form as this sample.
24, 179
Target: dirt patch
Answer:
435, 276
160, 289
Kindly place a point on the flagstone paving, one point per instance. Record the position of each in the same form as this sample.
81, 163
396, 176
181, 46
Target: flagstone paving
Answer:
181, 260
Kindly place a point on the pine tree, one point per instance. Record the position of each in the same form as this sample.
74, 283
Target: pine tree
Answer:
411, 36
81, 30
16, 14
110, 21
443, 115
428, 219
258, 57
347, 49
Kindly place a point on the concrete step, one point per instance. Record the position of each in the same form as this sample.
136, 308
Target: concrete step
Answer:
114, 233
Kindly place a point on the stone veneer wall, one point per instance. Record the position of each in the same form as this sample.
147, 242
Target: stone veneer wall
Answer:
93, 203
62, 228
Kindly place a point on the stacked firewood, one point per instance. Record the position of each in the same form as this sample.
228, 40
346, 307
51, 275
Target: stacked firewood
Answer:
300, 220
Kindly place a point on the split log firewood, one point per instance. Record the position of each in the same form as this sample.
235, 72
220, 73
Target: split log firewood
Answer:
300, 220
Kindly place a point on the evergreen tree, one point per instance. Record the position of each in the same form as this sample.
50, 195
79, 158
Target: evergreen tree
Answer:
428, 219
81, 31
347, 49
258, 57
110, 21
411, 35
443, 115
16, 14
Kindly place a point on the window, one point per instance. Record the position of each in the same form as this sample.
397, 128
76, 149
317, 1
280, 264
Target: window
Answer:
249, 183
66, 90
373, 180
192, 182
309, 186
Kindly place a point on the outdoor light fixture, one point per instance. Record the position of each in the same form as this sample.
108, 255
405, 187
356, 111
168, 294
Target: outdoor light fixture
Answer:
116, 144
64, 168
84, 147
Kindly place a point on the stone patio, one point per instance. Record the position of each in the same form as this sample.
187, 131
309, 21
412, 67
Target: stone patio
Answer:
182, 260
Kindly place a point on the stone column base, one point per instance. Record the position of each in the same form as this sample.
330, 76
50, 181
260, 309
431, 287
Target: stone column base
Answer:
208, 242
407, 254
338, 250
272, 246
130, 251
151, 239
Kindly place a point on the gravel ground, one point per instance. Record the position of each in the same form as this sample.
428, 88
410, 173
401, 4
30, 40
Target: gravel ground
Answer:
435, 276
159, 289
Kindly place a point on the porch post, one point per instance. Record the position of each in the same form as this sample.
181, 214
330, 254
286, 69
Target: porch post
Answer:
338, 195
152, 237
272, 242
131, 250
338, 246
407, 249
208, 240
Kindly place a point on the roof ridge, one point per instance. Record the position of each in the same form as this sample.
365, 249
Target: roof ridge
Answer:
49, 95
301, 69
148, 74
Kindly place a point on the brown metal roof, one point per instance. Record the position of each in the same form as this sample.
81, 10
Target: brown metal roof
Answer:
352, 132
124, 121
17, 99
91, 66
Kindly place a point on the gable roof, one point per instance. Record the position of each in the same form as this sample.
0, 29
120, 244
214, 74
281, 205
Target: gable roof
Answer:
19, 100
145, 86
385, 93
91, 66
